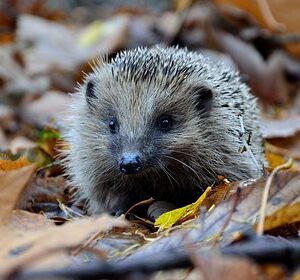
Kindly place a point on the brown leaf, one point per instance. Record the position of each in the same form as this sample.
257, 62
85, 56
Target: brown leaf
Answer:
266, 79
44, 190
285, 15
225, 268
285, 146
281, 128
11, 185
21, 220
3, 140
273, 159
38, 243
50, 107
52, 44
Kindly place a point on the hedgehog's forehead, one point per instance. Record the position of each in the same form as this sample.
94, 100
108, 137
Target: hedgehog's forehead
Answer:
147, 81
130, 97
152, 65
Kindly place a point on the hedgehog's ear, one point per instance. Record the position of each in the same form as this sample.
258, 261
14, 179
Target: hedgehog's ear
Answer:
90, 92
204, 98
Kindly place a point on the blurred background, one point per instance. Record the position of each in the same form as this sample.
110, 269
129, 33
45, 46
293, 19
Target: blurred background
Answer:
46, 46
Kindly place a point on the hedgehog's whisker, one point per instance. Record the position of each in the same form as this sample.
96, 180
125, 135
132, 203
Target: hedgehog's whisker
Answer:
180, 152
186, 165
200, 165
167, 172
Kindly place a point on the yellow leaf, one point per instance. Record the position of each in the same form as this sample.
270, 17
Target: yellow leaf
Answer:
8, 164
274, 160
283, 216
276, 156
181, 5
168, 219
91, 34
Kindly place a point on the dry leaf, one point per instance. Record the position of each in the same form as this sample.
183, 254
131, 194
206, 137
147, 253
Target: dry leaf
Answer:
168, 219
21, 220
44, 190
281, 128
38, 243
219, 193
225, 268
286, 215
50, 107
20, 143
210, 197
266, 78
11, 185
286, 16
8, 164
274, 160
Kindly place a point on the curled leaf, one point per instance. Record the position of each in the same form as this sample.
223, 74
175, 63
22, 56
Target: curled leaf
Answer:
168, 219
9, 164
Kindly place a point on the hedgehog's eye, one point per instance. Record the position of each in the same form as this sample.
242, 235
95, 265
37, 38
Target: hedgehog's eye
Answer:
165, 123
113, 126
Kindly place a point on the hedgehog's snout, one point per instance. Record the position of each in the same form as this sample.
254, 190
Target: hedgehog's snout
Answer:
131, 163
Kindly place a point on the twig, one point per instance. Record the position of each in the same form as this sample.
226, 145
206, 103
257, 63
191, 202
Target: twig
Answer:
143, 202
262, 211
69, 212
268, 16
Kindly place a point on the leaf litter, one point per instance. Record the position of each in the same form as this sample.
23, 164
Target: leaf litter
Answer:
41, 225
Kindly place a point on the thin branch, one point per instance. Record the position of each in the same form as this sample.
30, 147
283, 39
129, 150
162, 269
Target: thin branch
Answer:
267, 14
264, 201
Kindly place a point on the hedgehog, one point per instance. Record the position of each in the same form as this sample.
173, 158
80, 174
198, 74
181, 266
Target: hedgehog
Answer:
160, 122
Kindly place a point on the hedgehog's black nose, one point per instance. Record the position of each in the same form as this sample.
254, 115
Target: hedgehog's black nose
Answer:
131, 163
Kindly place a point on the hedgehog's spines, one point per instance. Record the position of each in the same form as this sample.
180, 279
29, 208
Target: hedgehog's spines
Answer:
136, 87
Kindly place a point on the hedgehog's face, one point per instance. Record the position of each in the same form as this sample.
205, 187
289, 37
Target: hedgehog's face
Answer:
146, 128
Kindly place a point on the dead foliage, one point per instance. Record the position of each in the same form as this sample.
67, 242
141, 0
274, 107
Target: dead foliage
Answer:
240, 230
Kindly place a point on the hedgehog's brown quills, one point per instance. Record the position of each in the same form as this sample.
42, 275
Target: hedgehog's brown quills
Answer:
161, 123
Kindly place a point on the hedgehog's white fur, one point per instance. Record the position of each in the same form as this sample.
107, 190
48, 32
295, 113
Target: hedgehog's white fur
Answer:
136, 87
